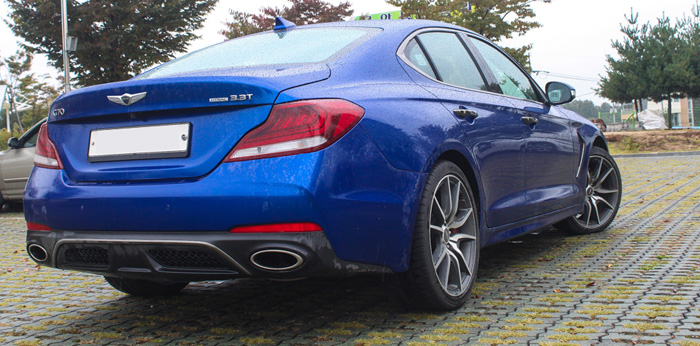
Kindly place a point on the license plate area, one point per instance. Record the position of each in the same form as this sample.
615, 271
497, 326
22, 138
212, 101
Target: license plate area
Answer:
140, 143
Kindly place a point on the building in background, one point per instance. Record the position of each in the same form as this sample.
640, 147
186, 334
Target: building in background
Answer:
685, 112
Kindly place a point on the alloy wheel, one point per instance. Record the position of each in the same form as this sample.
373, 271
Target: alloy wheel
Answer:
602, 191
453, 235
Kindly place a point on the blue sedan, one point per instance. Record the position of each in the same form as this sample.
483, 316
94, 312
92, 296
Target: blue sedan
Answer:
389, 147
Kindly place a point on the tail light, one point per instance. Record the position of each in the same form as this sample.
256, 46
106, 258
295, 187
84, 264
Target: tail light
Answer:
45, 154
278, 228
298, 127
31, 226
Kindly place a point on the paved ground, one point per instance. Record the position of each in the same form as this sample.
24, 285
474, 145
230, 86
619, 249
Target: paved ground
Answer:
637, 283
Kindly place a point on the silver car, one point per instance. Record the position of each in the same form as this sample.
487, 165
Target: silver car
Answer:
15, 165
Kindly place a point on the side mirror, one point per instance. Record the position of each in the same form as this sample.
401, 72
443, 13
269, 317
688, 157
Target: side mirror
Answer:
13, 143
560, 93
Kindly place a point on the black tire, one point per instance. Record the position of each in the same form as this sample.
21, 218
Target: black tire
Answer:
445, 251
603, 193
145, 288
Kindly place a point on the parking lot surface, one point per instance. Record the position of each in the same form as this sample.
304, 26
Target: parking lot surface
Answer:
636, 283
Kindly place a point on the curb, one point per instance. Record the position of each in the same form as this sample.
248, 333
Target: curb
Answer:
667, 154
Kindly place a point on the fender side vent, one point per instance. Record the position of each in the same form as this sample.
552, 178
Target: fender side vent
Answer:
582, 150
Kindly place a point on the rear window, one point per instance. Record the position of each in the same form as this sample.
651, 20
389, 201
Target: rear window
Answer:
297, 46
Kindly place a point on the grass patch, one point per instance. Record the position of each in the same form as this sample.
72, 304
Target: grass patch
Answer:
256, 341
384, 335
372, 341
595, 310
642, 327
349, 325
436, 337
471, 318
334, 331
568, 337
507, 334
583, 324
494, 342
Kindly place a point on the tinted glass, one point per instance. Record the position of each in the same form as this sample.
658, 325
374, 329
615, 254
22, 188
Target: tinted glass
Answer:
453, 63
301, 46
415, 54
31, 141
512, 81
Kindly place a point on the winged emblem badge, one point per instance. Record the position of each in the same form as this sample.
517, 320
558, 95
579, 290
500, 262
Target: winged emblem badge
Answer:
127, 99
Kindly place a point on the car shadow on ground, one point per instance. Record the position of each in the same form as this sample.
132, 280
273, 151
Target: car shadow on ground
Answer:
308, 311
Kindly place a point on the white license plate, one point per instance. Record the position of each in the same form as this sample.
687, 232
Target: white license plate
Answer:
139, 143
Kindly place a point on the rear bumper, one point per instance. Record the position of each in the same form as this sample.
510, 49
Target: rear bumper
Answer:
365, 206
192, 257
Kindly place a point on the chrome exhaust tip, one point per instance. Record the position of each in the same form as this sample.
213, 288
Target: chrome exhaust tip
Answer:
276, 260
37, 253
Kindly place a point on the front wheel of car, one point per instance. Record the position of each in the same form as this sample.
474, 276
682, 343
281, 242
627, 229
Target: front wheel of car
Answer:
603, 193
145, 288
445, 251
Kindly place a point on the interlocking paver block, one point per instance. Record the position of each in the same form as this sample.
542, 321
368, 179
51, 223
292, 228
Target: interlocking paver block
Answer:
638, 282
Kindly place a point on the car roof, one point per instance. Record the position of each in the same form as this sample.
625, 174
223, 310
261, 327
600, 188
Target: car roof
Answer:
397, 26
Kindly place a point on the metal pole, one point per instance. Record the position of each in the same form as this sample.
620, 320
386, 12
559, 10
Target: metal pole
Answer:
64, 33
7, 111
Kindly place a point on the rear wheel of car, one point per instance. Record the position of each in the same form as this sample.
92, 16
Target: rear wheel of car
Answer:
603, 193
445, 252
145, 288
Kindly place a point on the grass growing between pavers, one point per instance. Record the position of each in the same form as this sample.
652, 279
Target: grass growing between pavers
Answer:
636, 283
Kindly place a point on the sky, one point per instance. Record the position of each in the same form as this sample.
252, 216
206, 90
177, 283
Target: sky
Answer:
570, 47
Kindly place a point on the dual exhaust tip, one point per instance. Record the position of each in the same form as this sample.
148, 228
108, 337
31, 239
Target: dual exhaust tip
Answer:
271, 259
276, 260
37, 253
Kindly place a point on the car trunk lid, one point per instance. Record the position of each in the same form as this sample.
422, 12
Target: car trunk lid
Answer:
168, 128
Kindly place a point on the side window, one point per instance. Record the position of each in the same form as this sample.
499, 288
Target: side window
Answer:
511, 79
415, 54
451, 60
31, 141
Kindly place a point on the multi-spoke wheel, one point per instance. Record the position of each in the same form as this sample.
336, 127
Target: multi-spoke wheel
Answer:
603, 192
445, 242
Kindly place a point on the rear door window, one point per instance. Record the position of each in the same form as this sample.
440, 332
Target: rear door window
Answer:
417, 57
452, 62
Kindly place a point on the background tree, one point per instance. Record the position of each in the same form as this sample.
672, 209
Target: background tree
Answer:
690, 55
301, 12
117, 39
494, 19
627, 76
29, 96
656, 61
15, 76
587, 108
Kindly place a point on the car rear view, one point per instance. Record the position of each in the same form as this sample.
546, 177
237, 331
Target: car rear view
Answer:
197, 170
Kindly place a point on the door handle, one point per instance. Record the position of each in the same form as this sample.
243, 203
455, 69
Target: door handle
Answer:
464, 113
530, 120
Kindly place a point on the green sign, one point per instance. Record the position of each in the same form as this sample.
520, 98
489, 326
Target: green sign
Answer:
381, 16
397, 14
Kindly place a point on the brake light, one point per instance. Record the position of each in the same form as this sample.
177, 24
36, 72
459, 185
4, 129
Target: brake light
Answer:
279, 227
45, 154
298, 127
31, 226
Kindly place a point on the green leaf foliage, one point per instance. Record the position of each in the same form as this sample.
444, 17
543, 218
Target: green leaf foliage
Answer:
301, 12
117, 39
659, 61
28, 97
